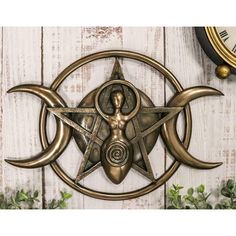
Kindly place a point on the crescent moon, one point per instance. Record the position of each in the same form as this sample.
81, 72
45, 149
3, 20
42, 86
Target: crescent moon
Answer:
169, 132
63, 131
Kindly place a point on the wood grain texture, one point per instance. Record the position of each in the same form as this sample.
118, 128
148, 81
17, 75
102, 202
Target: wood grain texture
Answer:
38, 55
148, 41
62, 46
21, 64
213, 137
96, 39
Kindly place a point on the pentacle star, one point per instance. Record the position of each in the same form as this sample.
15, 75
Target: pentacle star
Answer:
115, 126
91, 130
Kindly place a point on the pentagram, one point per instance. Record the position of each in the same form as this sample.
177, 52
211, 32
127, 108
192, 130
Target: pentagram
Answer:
116, 127
160, 115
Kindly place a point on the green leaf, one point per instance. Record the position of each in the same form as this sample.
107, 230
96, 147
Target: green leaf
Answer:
177, 187
66, 195
36, 194
207, 196
226, 192
172, 192
230, 184
22, 196
201, 188
189, 199
51, 204
174, 186
62, 205
190, 191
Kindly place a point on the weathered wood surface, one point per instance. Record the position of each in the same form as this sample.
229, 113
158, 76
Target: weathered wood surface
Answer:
213, 137
21, 63
38, 55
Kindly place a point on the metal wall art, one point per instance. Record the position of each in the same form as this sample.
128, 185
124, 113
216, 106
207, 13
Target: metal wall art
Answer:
115, 126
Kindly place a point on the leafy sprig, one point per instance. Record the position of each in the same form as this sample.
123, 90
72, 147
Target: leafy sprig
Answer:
61, 203
194, 199
229, 193
19, 200
175, 198
198, 199
28, 200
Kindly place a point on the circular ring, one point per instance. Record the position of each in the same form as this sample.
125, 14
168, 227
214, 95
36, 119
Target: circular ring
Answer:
123, 82
154, 184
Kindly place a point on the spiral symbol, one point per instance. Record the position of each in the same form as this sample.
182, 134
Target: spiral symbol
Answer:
117, 153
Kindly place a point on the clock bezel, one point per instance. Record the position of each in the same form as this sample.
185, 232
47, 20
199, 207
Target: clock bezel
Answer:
220, 48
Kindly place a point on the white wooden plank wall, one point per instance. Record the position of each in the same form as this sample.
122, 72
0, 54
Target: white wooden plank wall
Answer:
38, 55
21, 63
213, 137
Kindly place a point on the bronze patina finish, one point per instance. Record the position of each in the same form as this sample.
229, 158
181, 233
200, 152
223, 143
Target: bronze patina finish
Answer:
117, 150
115, 126
92, 150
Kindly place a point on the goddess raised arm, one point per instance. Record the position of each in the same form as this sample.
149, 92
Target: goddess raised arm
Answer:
117, 99
117, 151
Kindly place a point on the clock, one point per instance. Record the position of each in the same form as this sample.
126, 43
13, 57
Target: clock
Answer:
219, 43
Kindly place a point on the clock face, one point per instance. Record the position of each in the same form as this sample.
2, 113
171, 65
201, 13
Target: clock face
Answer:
219, 43
227, 36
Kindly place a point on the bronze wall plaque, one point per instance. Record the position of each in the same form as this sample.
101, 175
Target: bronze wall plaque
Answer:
115, 126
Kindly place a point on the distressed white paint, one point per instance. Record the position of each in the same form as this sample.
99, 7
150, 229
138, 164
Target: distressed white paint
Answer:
58, 48
62, 46
150, 42
214, 132
213, 137
21, 64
